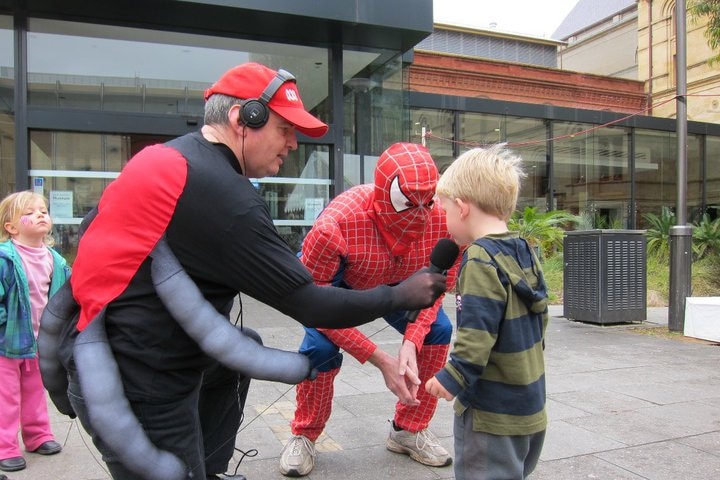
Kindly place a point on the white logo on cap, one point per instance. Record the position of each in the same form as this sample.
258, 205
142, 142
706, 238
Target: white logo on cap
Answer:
291, 95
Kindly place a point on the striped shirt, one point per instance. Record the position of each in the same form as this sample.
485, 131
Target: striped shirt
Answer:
497, 365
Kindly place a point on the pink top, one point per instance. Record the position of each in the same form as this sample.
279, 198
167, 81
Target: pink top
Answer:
38, 265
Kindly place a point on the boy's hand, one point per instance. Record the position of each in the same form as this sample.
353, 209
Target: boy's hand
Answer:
435, 388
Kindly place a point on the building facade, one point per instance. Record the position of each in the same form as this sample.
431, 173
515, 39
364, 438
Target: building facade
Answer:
84, 86
657, 61
589, 145
600, 38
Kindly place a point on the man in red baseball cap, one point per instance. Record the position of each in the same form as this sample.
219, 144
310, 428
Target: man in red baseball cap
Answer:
194, 193
241, 106
252, 81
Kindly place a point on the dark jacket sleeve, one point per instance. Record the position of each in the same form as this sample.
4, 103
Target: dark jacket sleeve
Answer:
330, 307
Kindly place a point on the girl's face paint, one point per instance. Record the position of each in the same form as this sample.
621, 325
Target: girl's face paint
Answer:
33, 225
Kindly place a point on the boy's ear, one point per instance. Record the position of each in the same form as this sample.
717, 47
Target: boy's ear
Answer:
463, 206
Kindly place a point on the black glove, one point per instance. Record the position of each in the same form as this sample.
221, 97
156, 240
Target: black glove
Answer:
420, 290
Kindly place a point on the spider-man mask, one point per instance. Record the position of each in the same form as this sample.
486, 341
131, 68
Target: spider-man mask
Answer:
405, 180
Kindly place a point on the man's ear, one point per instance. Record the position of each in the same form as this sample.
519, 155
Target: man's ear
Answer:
234, 117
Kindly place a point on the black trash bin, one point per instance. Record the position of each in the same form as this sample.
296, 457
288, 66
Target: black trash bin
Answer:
605, 276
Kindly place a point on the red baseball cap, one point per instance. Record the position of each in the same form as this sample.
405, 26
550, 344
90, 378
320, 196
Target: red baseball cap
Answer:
250, 80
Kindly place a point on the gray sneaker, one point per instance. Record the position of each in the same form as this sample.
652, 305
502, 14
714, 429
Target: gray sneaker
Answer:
298, 457
422, 447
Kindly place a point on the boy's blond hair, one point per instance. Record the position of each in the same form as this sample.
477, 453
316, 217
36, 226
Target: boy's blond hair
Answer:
488, 177
12, 208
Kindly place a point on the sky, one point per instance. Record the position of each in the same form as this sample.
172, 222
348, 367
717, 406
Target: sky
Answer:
538, 18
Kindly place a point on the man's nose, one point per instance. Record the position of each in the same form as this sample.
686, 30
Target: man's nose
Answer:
292, 141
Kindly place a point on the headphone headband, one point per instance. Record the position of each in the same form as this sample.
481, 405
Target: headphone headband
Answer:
281, 77
255, 112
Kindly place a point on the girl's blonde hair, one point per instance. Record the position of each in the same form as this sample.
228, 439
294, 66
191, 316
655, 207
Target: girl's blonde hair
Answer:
489, 178
12, 208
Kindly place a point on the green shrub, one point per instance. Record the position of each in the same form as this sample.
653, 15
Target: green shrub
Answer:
658, 234
544, 231
706, 237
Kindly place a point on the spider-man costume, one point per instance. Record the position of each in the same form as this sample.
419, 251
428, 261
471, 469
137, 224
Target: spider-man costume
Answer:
368, 236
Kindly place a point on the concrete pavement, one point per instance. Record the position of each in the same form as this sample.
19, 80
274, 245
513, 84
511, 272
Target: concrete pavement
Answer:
623, 405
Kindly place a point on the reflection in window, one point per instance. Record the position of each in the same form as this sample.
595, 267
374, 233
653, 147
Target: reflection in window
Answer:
655, 173
712, 177
299, 192
73, 169
440, 124
373, 97
102, 67
694, 178
7, 99
527, 138
592, 175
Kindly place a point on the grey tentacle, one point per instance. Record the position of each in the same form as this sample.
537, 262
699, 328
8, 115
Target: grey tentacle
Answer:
59, 310
109, 411
213, 333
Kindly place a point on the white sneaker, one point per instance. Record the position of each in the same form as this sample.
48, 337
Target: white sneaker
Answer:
422, 447
298, 457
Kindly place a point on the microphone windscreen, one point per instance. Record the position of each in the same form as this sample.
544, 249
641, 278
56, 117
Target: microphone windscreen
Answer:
444, 254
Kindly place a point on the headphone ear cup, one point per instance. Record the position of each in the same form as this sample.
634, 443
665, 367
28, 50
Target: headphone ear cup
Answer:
254, 113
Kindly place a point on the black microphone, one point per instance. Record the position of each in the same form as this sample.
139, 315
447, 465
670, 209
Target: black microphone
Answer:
442, 257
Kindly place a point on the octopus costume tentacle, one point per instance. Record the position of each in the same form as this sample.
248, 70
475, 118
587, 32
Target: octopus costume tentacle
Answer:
213, 333
109, 410
60, 308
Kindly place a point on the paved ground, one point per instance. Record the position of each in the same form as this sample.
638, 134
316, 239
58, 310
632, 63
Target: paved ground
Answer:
623, 405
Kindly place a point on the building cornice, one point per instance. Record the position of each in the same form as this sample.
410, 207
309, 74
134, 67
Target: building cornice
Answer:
483, 78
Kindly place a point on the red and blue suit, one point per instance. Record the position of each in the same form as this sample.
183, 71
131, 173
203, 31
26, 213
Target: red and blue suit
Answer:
371, 235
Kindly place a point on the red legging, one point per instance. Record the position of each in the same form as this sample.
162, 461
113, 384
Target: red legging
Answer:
314, 398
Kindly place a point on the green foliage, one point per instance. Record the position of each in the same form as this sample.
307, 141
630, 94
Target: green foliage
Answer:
710, 10
542, 230
706, 237
590, 221
553, 274
658, 277
658, 234
705, 281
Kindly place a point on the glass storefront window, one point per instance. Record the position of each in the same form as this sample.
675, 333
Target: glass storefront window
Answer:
299, 192
73, 169
591, 173
373, 97
525, 137
102, 67
712, 177
75, 65
7, 101
439, 125
655, 173
694, 178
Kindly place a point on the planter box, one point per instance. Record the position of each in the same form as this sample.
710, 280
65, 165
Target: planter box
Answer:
702, 318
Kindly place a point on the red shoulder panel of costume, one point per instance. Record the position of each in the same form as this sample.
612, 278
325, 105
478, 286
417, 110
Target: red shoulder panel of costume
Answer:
133, 213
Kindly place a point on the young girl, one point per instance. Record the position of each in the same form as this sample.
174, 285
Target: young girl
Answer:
30, 272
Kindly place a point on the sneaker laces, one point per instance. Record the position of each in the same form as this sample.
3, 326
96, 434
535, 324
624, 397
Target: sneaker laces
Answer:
425, 438
300, 440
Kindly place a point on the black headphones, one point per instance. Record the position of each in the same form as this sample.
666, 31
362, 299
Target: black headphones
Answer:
254, 112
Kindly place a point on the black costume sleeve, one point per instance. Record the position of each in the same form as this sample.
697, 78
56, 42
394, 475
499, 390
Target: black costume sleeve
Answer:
330, 307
